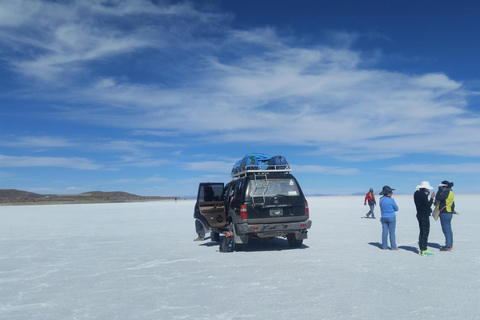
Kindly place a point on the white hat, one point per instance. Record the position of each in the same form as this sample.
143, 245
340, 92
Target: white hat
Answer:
424, 184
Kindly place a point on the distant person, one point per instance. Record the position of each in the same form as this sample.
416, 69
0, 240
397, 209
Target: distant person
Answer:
445, 203
200, 231
424, 209
388, 206
370, 197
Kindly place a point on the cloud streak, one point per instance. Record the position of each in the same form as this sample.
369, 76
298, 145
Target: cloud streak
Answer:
466, 168
60, 162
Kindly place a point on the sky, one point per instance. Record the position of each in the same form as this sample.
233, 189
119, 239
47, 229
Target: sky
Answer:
153, 97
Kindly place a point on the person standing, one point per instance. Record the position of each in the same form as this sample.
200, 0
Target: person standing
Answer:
445, 203
200, 230
424, 209
388, 207
370, 197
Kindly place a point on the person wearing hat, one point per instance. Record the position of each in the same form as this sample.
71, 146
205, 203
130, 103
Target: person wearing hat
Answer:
424, 208
445, 203
388, 207
370, 197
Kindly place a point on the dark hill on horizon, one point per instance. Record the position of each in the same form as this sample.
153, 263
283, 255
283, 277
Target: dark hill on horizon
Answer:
13, 196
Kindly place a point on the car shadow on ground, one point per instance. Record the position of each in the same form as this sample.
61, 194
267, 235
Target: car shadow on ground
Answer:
255, 245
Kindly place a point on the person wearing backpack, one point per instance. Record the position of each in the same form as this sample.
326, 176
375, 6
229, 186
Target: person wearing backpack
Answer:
424, 209
370, 197
388, 207
445, 202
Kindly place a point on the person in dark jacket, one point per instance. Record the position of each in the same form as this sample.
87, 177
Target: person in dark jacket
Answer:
424, 208
445, 202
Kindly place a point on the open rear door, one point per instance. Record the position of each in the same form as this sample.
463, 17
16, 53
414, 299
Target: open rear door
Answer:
211, 205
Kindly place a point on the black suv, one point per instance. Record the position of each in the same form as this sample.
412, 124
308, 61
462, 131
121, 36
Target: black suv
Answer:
260, 202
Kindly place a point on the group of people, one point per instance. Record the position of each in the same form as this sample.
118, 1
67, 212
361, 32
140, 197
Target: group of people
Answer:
444, 201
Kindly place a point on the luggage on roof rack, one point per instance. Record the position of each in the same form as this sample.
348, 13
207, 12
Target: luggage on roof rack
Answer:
258, 162
277, 163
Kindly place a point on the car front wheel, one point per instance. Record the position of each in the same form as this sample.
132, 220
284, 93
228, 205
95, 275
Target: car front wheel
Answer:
214, 236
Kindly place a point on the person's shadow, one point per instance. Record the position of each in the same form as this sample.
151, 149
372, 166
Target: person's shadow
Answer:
434, 245
407, 248
376, 244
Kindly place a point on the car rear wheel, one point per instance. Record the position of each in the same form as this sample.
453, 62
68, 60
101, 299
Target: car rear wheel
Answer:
293, 242
231, 229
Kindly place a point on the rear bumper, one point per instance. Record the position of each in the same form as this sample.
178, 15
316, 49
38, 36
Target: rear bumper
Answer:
274, 229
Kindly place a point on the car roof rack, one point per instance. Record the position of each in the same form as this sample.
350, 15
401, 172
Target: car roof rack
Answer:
257, 163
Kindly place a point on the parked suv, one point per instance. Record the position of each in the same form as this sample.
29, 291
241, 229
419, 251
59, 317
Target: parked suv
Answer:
263, 200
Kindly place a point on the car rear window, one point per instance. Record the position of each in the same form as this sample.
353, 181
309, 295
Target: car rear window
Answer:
273, 187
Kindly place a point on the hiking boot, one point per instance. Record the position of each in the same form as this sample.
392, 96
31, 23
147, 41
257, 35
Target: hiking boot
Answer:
199, 239
445, 249
425, 253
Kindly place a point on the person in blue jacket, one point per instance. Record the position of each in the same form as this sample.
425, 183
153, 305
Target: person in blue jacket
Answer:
388, 207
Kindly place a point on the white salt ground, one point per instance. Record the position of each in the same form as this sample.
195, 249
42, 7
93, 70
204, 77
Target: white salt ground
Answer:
138, 261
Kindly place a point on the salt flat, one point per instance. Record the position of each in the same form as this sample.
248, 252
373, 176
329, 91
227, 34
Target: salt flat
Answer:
138, 261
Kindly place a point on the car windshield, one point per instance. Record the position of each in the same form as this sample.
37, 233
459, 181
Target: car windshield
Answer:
273, 187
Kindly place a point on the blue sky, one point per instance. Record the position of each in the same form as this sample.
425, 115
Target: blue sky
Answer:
153, 97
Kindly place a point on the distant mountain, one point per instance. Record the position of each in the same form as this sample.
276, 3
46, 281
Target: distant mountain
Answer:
24, 197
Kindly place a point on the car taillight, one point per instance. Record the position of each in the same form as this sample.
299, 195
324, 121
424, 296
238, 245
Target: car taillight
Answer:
243, 211
307, 210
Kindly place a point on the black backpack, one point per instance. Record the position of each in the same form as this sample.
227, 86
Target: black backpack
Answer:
227, 244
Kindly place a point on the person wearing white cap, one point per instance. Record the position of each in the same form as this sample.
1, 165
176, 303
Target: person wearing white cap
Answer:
424, 209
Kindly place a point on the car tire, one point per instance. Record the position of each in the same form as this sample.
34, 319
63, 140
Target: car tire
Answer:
215, 236
293, 242
231, 229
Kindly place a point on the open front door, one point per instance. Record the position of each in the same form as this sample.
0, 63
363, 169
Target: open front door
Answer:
211, 205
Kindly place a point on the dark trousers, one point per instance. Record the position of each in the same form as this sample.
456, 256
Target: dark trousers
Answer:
424, 224
199, 229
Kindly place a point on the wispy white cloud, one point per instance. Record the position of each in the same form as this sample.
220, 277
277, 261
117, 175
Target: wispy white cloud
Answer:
209, 166
63, 36
143, 162
134, 145
35, 142
473, 168
216, 82
324, 170
60, 162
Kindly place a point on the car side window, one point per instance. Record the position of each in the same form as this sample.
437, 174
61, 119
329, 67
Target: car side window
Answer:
238, 190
